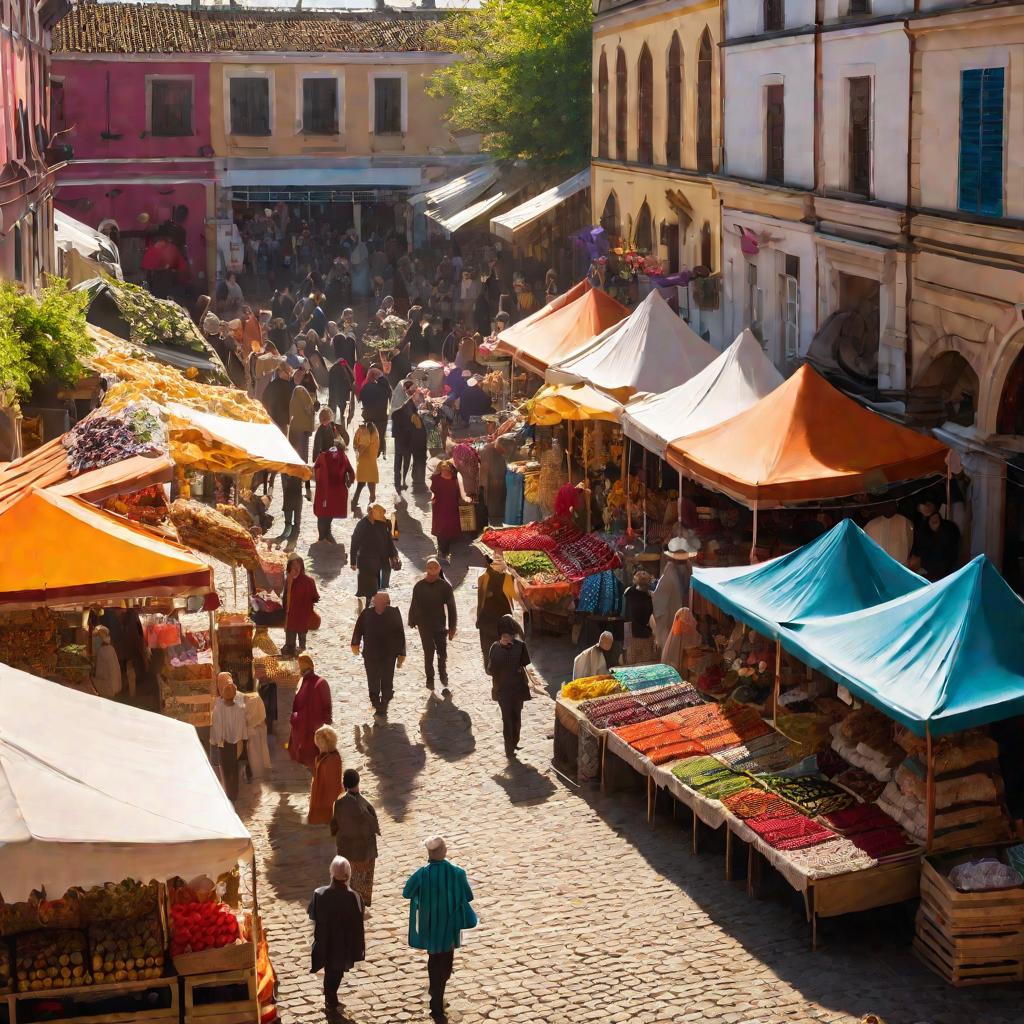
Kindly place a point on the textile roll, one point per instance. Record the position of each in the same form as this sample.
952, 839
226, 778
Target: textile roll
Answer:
643, 677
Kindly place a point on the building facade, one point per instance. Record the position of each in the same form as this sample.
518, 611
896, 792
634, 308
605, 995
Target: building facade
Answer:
327, 113
28, 156
657, 139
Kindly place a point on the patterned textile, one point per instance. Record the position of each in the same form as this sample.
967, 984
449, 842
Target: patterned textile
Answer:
789, 833
726, 786
757, 803
835, 856
582, 557
670, 698
811, 794
858, 818
883, 843
769, 753
602, 711
719, 727
542, 536
704, 773
643, 677
634, 734
588, 759
669, 747
861, 783
600, 594
362, 879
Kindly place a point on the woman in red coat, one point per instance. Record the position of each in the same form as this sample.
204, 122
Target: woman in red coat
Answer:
311, 709
445, 524
300, 594
334, 476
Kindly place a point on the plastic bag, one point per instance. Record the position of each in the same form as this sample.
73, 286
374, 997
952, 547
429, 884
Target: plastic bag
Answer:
980, 875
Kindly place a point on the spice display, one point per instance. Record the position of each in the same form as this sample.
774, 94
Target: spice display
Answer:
52, 960
127, 950
592, 686
206, 529
105, 437
199, 926
533, 566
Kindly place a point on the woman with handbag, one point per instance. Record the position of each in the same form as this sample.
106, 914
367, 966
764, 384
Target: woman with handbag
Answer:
373, 552
506, 665
300, 594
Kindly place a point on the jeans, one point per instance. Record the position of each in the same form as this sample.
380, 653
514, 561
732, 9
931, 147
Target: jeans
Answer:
403, 460
511, 724
289, 640
380, 680
439, 970
323, 526
435, 641
332, 982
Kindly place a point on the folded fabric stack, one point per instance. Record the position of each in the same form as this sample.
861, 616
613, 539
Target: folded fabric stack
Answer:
600, 594
865, 740
710, 777
835, 856
769, 753
870, 829
719, 727
667, 699
790, 832
861, 783
590, 687
757, 803
660, 740
607, 712
643, 677
812, 794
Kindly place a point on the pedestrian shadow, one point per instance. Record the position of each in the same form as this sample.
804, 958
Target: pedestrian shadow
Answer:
297, 848
447, 730
328, 559
523, 784
394, 762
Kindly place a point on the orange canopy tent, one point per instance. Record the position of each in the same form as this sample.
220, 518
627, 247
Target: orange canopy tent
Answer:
512, 334
805, 441
63, 551
563, 332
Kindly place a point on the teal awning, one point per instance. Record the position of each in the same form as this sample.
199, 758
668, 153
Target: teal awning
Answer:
842, 571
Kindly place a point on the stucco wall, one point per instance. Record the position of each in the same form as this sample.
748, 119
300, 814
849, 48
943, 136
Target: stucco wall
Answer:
746, 17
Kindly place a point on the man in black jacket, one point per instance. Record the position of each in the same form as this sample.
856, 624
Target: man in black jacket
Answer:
432, 611
380, 631
277, 398
339, 938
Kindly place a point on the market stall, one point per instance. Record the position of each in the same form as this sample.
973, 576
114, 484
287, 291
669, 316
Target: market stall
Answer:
113, 833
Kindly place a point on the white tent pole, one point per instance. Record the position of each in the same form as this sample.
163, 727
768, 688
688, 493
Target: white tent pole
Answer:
753, 541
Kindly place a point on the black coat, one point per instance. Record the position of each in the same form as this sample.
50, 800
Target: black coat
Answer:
277, 398
401, 427
506, 667
382, 636
375, 398
339, 938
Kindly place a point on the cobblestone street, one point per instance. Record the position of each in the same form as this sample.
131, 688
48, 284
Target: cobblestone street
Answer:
586, 912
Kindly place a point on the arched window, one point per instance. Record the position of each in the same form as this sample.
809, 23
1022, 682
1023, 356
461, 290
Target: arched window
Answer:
643, 235
602, 108
705, 246
674, 129
621, 104
705, 73
645, 107
610, 217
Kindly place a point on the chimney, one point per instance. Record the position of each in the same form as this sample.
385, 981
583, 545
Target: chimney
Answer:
428, 5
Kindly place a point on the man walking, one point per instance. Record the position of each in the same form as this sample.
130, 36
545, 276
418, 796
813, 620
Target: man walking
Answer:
439, 909
380, 631
228, 731
432, 611
355, 829
339, 937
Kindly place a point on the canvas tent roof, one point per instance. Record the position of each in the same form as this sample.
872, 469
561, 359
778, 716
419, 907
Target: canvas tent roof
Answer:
69, 233
805, 441
63, 551
945, 657
562, 332
738, 378
511, 335
652, 350
93, 791
509, 224
577, 402
842, 571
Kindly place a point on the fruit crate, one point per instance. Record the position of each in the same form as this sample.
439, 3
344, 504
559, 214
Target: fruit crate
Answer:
227, 997
239, 956
154, 1001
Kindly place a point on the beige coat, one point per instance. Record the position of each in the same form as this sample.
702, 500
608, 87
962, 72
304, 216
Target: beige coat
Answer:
367, 445
300, 411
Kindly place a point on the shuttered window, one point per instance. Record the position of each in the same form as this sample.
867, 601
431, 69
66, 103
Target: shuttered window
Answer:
705, 68
981, 141
320, 106
859, 7
387, 106
860, 136
171, 106
674, 130
250, 106
774, 15
775, 133
645, 107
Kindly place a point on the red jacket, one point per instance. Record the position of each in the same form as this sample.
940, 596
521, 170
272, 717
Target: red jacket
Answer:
334, 475
300, 596
310, 709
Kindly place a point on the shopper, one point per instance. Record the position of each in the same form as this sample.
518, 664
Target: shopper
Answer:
277, 397
433, 612
340, 381
375, 397
339, 938
300, 594
106, 677
417, 436
379, 636
402, 412
325, 787
291, 505
334, 476
638, 611
328, 433
301, 412
311, 709
227, 733
366, 444
267, 689
506, 665
445, 523
495, 596
373, 552
257, 750
439, 910
355, 828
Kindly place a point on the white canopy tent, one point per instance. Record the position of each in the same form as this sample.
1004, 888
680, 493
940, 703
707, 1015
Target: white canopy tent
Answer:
71, 234
741, 376
652, 350
92, 791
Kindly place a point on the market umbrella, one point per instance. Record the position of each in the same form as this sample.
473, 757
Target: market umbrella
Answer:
575, 402
93, 791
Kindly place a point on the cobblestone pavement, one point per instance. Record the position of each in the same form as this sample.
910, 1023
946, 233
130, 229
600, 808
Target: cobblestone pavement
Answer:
587, 913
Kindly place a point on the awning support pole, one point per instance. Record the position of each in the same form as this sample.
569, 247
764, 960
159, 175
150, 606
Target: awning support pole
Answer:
568, 452
753, 540
930, 790
778, 682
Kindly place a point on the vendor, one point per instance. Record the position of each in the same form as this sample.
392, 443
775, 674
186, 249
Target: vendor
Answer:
495, 595
673, 589
638, 611
474, 401
597, 660
107, 672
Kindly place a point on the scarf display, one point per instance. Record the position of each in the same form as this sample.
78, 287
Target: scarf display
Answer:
812, 794
769, 753
719, 728
757, 803
643, 677
789, 833
591, 687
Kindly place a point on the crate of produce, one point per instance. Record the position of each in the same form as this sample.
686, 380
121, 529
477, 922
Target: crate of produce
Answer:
237, 956
228, 997
6, 968
130, 950
129, 1002
206, 938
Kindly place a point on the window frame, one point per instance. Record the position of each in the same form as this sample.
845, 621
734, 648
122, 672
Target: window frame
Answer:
704, 128
868, 191
152, 80
675, 72
603, 107
621, 105
404, 99
300, 102
268, 76
645, 106
978, 209
769, 91
773, 11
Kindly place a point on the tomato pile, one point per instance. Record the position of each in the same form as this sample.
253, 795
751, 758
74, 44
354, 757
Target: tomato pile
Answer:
198, 926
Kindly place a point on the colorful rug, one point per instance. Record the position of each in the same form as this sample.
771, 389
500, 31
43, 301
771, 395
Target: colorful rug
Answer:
719, 728
813, 795
789, 833
757, 803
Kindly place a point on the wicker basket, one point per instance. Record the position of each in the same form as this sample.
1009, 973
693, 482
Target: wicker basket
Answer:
467, 518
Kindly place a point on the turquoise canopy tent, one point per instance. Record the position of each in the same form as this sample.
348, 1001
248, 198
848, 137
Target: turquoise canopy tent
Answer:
939, 659
842, 571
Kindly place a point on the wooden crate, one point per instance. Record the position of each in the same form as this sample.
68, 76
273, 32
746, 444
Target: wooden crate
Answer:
166, 988
960, 912
239, 956
234, 1009
984, 965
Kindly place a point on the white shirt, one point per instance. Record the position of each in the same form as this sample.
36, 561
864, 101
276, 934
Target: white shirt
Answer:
894, 534
591, 662
229, 723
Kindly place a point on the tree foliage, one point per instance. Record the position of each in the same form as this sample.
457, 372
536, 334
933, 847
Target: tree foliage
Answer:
523, 77
41, 337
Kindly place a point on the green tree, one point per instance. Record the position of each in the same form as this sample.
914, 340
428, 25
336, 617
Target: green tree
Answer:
523, 77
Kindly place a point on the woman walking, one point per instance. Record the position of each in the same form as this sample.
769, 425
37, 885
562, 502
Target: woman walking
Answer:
334, 476
300, 594
445, 524
301, 409
339, 936
326, 785
506, 665
367, 444
311, 709
355, 828
373, 552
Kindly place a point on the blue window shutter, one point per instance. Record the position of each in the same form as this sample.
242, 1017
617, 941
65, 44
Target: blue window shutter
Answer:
981, 141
